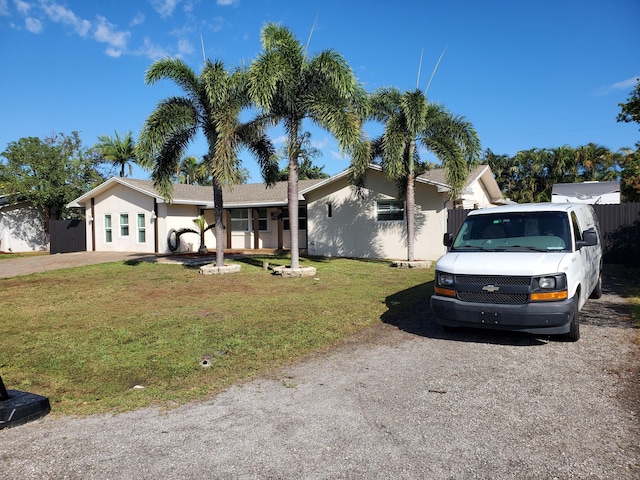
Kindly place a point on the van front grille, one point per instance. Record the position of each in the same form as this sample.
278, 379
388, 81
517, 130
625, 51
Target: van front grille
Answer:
493, 280
498, 298
504, 290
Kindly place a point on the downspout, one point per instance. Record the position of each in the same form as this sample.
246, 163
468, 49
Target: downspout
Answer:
256, 228
156, 246
93, 224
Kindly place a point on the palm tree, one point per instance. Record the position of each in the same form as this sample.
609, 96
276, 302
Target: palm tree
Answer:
212, 104
119, 151
412, 122
188, 170
596, 163
289, 86
306, 169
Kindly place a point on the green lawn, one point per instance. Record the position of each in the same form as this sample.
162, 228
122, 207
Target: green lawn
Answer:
85, 337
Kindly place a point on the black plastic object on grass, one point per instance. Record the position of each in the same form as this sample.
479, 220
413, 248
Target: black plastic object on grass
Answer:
18, 407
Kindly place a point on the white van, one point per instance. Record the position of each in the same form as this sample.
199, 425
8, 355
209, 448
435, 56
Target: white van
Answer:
528, 268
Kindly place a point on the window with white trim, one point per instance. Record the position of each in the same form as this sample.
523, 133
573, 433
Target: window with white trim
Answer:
108, 233
389, 210
239, 220
262, 220
124, 224
142, 229
302, 218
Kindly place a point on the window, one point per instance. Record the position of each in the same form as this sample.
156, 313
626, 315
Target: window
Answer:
240, 220
329, 210
124, 224
577, 231
302, 218
142, 235
108, 235
389, 210
262, 219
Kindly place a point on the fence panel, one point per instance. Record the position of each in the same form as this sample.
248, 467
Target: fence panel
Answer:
67, 236
619, 228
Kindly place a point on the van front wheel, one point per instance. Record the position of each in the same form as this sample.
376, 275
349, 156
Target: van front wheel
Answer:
574, 327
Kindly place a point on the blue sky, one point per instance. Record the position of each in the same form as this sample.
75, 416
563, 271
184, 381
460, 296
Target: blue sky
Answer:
525, 73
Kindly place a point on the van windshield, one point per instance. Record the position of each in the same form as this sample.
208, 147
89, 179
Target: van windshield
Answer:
528, 231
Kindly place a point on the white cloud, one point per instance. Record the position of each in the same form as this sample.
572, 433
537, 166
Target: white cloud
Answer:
33, 25
165, 7
184, 47
282, 139
623, 85
113, 52
105, 32
151, 50
22, 7
226, 3
626, 84
60, 14
137, 20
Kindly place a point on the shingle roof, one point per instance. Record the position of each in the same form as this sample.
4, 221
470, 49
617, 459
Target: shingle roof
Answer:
245, 194
437, 175
250, 194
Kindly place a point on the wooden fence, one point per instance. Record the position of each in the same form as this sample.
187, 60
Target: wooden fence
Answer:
619, 228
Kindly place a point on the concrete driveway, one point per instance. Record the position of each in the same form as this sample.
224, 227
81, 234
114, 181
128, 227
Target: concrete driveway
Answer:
14, 267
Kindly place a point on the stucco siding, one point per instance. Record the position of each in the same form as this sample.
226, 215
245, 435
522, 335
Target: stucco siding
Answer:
116, 202
22, 229
353, 229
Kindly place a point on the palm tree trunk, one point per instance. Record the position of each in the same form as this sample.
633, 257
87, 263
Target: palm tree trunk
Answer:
219, 227
292, 196
411, 216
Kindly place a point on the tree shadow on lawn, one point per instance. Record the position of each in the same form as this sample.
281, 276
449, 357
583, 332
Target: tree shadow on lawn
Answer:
410, 311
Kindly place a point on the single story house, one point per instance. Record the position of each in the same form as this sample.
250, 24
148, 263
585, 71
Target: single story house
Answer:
129, 215
586, 192
22, 227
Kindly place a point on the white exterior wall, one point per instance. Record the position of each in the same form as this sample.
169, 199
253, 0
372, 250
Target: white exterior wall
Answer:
474, 196
353, 230
117, 200
267, 238
22, 229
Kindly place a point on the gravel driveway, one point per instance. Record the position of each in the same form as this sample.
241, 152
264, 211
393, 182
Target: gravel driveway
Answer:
400, 401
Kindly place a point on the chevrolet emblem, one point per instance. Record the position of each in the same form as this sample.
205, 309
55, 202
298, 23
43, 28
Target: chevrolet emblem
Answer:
490, 288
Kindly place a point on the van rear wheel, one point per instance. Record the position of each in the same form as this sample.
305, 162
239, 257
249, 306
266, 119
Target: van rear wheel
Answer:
597, 290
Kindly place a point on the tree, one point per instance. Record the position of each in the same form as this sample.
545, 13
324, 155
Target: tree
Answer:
596, 163
411, 122
630, 111
306, 169
189, 170
630, 161
49, 173
289, 86
212, 104
119, 151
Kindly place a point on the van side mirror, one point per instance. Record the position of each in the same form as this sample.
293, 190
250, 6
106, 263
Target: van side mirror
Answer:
589, 239
447, 240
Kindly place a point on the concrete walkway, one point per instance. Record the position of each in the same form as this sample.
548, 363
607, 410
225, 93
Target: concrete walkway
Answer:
41, 263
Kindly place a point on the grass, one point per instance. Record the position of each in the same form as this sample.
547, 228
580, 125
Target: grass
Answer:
7, 256
85, 337
633, 299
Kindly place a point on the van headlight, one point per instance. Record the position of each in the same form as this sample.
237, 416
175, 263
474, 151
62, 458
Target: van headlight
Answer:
548, 283
445, 279
549, 288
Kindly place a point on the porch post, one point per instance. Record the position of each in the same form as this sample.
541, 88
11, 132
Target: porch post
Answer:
256, 228
280, 230
227, 226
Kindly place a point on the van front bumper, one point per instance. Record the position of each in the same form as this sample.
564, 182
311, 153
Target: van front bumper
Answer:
549, 318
